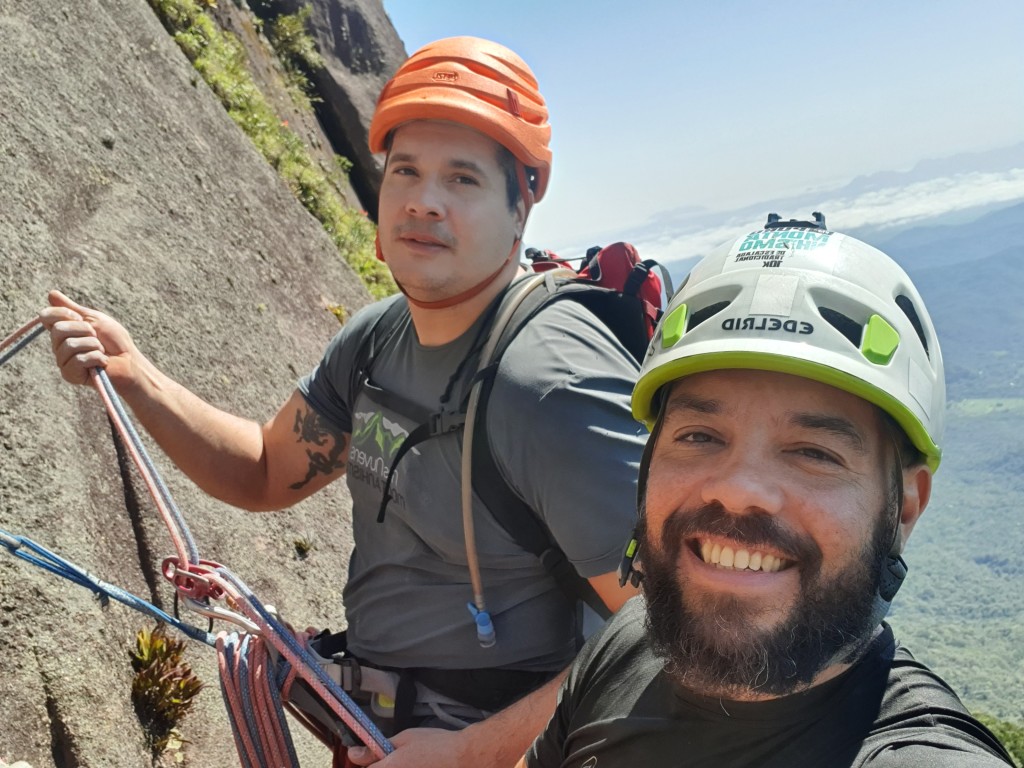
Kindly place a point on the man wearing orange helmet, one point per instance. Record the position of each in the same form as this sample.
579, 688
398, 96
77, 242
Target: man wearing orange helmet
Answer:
466, 134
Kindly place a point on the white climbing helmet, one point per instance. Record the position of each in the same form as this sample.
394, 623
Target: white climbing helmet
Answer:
796, 298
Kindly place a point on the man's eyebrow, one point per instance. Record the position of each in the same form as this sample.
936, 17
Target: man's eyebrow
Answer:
462, 165
466, 165
834, 425
684, 401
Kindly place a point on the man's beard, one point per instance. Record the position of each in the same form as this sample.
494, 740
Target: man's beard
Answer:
709, 647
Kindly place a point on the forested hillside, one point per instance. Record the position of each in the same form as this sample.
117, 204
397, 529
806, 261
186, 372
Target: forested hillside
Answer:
962, 607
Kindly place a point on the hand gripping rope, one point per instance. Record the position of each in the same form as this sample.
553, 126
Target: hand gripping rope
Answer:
251, 682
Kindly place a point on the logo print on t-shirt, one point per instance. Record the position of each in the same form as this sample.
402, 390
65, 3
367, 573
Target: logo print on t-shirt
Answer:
375, 441
375, 427
591, 762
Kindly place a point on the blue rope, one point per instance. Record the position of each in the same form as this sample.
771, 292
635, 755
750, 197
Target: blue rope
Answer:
228, 651
274, 686
21, 343
248, 710
165, 494
31, 552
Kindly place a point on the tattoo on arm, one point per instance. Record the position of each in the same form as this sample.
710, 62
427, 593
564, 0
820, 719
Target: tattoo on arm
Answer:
314, 432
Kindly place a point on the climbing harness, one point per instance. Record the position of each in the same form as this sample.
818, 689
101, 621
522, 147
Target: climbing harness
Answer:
260, 667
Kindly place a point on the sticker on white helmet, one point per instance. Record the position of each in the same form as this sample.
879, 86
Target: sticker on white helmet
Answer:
773, 248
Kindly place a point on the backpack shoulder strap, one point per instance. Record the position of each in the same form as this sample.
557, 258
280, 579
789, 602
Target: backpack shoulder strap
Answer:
451, 415
380, 333
514, 515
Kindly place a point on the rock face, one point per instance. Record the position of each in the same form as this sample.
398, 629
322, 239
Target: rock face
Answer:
361, 50
125, 184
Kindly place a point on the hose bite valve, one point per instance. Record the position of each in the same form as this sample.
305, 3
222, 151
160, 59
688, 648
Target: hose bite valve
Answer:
484, 626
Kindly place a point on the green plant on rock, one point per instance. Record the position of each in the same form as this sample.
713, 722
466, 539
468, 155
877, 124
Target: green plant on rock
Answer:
297, 52
343, 164
304, 544
163, 689
220, 59
339, 312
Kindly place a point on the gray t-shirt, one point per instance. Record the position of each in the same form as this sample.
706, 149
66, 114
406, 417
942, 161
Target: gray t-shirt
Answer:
562, 436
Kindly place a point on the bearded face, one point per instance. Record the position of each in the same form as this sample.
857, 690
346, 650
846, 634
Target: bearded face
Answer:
720, 643
771, 504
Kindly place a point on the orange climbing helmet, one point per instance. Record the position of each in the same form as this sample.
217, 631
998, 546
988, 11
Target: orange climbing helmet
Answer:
475, 82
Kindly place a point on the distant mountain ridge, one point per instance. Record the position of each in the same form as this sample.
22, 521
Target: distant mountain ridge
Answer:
989, 161
978, 314
940, 243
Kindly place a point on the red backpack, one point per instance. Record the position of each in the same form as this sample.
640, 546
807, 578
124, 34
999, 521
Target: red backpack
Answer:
617, 267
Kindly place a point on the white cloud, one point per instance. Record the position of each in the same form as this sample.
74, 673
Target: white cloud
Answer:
901, 206
673, 236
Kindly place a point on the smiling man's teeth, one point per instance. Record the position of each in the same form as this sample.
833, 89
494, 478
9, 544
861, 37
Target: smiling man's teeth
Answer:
739, 559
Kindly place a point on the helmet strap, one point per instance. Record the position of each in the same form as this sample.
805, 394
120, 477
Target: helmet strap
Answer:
893, 572
894, 569
467, 294
631, 552
525, 190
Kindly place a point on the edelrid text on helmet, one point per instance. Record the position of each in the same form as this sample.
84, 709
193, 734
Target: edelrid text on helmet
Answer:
803, 300
478, 83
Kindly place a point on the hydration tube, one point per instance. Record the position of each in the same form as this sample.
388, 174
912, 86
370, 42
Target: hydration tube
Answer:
478, 608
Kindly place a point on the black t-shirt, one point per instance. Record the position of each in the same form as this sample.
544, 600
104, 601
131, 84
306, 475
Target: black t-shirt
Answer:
618, 708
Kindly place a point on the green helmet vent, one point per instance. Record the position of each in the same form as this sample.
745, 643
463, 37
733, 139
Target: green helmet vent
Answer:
672, 326
880, 341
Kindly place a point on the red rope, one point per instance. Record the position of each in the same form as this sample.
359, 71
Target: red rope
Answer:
206, 580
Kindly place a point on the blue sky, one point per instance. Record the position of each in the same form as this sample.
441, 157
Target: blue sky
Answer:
662, 108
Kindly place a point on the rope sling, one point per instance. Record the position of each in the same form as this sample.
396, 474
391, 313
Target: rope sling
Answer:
257, 666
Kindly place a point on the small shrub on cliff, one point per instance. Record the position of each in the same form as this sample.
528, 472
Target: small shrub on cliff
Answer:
297, 51
221, 60
164, 687
304, 544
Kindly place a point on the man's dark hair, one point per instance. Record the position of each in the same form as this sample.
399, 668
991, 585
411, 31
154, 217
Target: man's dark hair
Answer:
908, 453
507, 161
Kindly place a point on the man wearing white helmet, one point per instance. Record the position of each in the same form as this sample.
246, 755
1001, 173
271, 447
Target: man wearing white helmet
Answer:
795, 397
